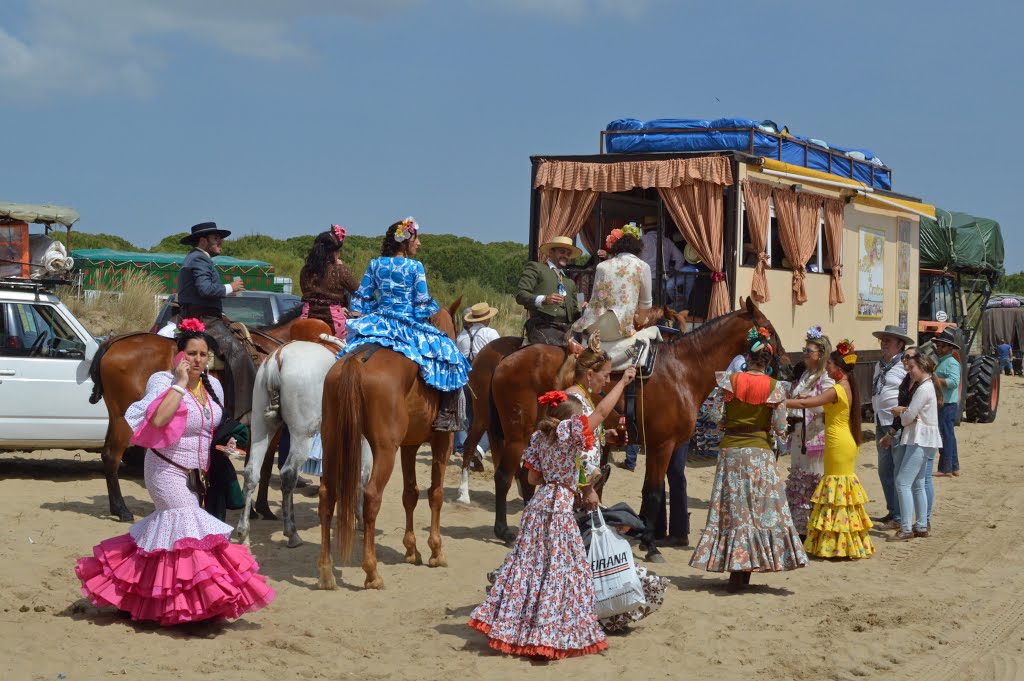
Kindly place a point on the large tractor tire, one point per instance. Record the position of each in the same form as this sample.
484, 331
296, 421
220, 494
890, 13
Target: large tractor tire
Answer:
983, 389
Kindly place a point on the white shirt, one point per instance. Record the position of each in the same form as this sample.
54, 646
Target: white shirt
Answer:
671, 256
481, 335
885, 400
921, 419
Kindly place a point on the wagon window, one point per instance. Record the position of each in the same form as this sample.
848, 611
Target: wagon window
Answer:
818, 262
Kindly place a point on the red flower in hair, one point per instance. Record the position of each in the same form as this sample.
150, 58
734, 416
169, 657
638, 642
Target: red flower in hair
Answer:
552, 398
339, 233
610, 240
763, 332
844, 348
192, 324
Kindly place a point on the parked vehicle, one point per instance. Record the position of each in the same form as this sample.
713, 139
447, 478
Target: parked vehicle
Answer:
252, 308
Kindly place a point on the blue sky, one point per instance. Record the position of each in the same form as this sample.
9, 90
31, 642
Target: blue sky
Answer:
283, 116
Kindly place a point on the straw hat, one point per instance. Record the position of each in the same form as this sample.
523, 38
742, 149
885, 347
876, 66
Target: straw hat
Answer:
560, 242
480, 312
690, 255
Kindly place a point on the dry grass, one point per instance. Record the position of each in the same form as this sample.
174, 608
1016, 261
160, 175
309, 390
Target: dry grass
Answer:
132, 306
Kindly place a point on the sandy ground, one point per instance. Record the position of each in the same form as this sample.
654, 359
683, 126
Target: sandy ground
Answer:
947, 607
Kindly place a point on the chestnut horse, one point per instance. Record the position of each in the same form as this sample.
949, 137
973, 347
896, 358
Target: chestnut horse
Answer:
377, 394
122, 368
667, 405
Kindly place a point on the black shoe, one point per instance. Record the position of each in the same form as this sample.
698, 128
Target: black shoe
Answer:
884, 519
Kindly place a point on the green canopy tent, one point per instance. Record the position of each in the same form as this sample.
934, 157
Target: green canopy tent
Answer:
103, 268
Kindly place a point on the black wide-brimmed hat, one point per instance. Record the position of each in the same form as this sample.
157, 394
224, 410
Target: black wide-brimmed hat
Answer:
203, 229
949, 337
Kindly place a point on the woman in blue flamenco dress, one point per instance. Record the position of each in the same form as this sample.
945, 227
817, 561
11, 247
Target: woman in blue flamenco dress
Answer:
394, 310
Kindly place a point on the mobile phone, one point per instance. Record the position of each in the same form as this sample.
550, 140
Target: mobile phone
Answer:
177, 359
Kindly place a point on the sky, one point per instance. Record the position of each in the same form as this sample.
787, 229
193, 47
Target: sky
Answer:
281, 117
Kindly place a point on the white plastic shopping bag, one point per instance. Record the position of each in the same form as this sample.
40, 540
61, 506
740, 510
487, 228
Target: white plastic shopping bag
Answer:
617, 587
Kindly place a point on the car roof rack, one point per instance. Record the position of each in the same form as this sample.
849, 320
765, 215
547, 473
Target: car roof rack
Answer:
35, 285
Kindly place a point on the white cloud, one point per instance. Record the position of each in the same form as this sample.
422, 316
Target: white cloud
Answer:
572, 9
100, 46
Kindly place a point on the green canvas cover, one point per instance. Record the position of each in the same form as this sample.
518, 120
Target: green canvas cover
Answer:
102, 268
961, 242
38, 212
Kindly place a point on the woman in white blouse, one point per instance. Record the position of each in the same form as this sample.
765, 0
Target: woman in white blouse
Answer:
922, 439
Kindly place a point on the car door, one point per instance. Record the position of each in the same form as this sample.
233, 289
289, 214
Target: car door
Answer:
44, 379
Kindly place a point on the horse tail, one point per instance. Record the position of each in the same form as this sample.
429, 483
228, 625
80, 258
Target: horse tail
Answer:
348, 466
495, 431
94, 374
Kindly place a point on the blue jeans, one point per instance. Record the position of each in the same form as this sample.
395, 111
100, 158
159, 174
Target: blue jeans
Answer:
631, 454
898, 453
462, 435
948, 459
911, 485
887, 472
929, 489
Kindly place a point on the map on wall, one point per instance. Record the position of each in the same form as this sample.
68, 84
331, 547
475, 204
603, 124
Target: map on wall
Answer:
870, 273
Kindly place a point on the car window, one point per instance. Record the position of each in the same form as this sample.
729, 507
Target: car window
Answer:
38, 330
250, 311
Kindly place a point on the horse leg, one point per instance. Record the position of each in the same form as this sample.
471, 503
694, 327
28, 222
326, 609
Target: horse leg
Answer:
116, 442
503, 476
650, 507
325, 564
440, 445
257, 456
383, 465
262, 506
301, 444
410, 495
366, 465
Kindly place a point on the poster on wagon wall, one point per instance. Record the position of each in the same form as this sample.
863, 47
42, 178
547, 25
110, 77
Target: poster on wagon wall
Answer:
870, 273
903, 255
903, 309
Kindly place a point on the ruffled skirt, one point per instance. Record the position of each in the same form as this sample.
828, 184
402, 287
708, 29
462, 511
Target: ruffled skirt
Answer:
442, 366
800, 486
204, 579
749, 528
838, 525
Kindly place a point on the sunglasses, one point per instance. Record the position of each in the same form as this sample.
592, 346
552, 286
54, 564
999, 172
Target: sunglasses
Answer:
811, 349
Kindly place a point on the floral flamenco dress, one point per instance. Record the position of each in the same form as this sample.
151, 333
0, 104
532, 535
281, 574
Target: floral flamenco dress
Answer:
177, 564
806, 449
838, 526
542, 601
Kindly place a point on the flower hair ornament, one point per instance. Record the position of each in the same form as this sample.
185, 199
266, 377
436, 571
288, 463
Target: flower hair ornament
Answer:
758, 337
407, 229
339, 233
814, 333
191, 325
610, 240
848, 351
552, 398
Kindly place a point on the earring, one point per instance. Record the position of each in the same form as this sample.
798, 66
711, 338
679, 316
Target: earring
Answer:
768, 371
743, 367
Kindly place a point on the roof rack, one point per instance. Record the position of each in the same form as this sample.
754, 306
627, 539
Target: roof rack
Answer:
35, 285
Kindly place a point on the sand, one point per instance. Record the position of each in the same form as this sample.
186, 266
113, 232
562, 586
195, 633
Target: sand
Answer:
946, 607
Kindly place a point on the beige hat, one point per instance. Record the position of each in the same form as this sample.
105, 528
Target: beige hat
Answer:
690, 255
480, 312
559, 242
895, 332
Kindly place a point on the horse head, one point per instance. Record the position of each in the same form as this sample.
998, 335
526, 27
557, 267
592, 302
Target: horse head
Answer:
783, 367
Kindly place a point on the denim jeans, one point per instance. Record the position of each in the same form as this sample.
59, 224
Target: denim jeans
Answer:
631, 453
898, 452
911, 486
929, 489
887, 472
948, 459
462, 435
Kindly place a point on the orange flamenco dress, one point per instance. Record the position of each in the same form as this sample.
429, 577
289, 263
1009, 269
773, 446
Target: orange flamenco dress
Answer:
838, 525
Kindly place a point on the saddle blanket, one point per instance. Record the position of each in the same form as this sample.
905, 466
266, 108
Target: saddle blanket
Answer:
617, 349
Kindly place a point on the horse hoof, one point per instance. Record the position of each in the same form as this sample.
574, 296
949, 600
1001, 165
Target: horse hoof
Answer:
463, 500
327, 584
375, 583
440, 561
509, 536
654, 557
262, 512
125, 517
294, 541
414, 558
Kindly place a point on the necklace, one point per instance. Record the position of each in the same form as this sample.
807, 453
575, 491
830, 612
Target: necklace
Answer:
199, 393
599, 430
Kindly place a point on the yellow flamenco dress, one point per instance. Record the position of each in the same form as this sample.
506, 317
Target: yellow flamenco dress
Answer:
838, 525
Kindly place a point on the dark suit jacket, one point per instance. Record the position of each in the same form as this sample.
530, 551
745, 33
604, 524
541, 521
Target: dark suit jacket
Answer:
199, 283
538, 279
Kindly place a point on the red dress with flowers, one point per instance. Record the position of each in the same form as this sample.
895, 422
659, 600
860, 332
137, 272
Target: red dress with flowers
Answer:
542, 601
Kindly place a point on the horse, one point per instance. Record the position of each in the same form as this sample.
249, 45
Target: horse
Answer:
667, 405
121, 369
377, 394
296, 372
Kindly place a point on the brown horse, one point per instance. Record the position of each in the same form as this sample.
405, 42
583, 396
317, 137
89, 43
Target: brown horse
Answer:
119, 374
667, 405
377, 394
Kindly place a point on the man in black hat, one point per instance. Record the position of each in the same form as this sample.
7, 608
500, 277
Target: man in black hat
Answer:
947, 380
200, 295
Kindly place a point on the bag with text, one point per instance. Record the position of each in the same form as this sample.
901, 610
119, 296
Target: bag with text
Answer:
617, 587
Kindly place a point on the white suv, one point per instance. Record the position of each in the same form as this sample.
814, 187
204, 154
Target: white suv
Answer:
45, 354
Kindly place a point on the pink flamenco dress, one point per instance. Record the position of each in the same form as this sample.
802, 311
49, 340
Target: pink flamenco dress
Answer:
542, 601
176, 565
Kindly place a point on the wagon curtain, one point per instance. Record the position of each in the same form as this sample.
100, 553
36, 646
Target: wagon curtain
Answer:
563, 213
622, 176
757, 200
834, 239
798, 227
699, 212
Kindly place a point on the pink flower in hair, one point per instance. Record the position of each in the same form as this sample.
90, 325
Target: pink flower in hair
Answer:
192, 324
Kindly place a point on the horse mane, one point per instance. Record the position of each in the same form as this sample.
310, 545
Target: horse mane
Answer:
704, 328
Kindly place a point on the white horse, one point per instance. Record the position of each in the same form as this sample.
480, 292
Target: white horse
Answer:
295, 373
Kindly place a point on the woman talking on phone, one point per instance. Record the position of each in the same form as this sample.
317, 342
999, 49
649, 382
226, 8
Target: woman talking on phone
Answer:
176, 565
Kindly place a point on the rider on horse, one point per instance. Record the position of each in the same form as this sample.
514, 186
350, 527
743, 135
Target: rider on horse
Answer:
549, 294
393, 309
200, 295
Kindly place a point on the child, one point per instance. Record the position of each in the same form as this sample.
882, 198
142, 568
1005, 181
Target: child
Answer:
542, 601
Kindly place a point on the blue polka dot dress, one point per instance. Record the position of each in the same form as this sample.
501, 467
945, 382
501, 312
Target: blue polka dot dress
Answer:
396, 309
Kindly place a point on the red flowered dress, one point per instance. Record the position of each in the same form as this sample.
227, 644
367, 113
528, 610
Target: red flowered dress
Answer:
542, 601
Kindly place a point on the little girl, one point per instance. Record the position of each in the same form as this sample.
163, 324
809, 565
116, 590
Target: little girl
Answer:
542, 601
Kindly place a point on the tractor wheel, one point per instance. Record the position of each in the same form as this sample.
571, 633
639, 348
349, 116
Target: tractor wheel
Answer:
983, 389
